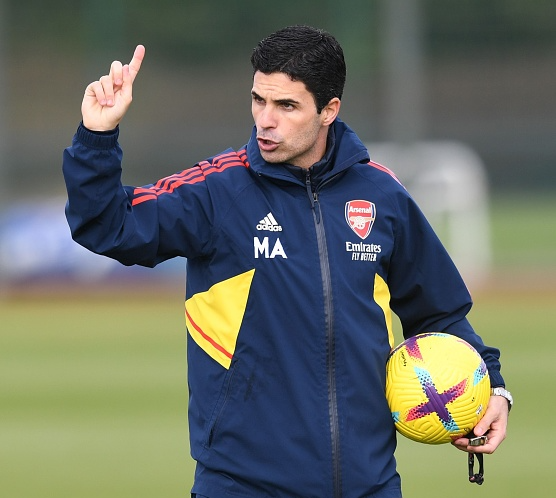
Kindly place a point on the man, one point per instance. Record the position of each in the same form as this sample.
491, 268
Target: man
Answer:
297, 247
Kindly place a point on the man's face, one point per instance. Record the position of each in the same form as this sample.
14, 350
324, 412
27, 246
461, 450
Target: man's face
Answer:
289, 129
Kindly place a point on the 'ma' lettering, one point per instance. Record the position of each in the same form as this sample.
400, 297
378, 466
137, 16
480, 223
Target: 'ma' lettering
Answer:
262, 248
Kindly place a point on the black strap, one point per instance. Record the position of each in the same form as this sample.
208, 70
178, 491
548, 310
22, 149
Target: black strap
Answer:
479, 477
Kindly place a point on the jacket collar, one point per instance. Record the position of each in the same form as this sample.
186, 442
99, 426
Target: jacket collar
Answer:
344, 149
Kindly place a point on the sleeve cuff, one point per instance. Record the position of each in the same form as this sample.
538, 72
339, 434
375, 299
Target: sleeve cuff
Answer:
496, 379
97, 139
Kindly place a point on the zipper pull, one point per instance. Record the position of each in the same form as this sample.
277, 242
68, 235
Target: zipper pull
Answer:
313, 196
316, 206
309, 188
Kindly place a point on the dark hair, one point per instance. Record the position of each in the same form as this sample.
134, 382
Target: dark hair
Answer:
305, 54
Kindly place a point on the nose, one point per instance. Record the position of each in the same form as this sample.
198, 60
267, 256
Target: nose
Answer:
265, 117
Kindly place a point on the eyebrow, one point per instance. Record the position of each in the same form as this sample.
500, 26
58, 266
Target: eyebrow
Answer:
278, 101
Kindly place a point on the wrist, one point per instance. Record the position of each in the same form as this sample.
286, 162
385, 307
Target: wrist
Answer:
99, 131
501, 391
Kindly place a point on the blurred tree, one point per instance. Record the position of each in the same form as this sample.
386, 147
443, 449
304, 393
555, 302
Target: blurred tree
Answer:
195, 32
3, 110
457, 28
488, 66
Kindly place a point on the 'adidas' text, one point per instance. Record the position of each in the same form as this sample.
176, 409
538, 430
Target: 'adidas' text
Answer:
269, 224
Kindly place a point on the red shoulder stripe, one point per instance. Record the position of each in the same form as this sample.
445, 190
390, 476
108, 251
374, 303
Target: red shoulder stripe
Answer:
196, 174
385, 169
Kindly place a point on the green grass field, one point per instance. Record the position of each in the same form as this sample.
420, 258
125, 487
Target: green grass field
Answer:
93, 389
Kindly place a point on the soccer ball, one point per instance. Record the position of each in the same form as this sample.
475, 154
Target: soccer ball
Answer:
437, 387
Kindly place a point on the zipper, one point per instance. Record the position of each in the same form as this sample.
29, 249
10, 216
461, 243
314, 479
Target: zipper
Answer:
330, 339
313, 197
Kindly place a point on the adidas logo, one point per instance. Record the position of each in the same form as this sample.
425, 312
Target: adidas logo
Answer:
269, 224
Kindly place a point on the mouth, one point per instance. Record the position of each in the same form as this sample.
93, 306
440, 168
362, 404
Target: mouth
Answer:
266, 145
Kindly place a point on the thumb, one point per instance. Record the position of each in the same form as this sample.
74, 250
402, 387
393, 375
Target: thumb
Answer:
482, 427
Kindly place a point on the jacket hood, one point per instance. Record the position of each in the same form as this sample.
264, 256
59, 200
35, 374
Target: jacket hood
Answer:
347, 149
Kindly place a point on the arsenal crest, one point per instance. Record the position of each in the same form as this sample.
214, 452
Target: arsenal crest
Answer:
360, 216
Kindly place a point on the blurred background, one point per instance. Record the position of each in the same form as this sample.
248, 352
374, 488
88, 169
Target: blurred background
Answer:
473, 82
458, 98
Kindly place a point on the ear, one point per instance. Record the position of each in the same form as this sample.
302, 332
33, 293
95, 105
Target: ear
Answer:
330, 111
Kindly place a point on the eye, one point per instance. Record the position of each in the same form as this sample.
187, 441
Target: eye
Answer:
287, 106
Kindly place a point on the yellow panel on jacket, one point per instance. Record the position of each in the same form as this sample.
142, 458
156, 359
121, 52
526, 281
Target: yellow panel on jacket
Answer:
214, 317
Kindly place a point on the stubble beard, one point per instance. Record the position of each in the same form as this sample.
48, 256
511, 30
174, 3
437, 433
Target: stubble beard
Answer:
303, 156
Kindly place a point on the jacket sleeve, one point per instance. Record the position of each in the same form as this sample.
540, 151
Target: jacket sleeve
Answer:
428, 293
122, 222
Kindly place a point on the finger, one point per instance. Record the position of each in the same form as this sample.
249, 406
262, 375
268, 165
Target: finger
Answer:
493, 441
486, 423
461, 443
95, 90
487, 448
108, 89
137, 59
116, 73
127, 84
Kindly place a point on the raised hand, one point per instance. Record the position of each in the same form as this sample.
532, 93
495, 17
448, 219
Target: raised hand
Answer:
107, 100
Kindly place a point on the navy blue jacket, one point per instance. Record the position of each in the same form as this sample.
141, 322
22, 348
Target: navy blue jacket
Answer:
291, 279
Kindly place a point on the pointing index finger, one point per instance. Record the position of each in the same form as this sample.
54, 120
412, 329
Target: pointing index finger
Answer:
137, 59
